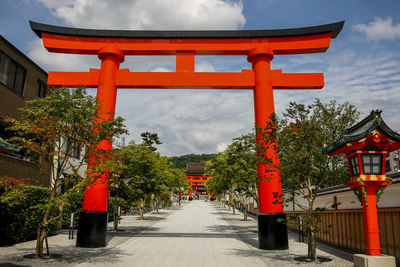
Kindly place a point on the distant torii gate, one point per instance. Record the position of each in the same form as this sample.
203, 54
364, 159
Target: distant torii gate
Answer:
259, 46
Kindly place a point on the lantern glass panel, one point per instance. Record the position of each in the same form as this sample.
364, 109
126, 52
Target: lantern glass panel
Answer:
372, 163
355, 171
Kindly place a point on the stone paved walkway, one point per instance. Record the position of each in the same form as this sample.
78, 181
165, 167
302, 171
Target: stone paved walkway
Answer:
197, 234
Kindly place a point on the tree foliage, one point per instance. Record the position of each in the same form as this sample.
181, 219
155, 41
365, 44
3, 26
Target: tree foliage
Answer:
299, 137
303, 132
234, 171
149, 174
55, 128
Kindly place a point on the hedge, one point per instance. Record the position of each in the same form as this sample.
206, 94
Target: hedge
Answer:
21, 211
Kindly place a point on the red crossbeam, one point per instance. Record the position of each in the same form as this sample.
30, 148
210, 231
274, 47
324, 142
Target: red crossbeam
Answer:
188, 80
314, 43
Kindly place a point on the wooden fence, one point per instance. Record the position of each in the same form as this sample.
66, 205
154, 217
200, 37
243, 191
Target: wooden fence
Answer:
347, 229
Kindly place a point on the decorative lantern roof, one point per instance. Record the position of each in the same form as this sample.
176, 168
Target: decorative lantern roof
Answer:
371, 131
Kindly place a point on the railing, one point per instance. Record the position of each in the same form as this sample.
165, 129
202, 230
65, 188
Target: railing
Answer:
347, 229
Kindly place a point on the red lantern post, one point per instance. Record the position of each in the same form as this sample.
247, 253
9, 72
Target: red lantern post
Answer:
365, 146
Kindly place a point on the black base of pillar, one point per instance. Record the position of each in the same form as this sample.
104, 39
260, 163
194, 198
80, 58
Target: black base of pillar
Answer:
92, 229
190, 198
272, 231
212, 199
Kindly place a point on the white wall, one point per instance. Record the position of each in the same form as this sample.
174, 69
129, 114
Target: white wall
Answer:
390, 199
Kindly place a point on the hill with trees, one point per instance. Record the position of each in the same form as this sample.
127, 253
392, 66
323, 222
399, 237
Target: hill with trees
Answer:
181, 161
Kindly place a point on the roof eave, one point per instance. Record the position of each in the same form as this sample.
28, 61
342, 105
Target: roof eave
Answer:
40, 28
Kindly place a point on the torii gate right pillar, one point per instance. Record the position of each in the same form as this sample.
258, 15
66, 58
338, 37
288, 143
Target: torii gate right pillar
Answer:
272, 230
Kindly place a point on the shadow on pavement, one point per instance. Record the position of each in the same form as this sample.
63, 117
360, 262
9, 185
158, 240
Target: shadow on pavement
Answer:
70, 255
9, 264
189, 235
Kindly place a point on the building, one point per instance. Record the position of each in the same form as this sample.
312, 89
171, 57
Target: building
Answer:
392, 164
21, 79
196, 178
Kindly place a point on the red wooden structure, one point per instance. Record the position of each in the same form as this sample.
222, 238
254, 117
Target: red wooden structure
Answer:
195, 176
260, 46
365, 146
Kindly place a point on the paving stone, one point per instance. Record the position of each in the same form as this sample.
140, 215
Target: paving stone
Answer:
198, 233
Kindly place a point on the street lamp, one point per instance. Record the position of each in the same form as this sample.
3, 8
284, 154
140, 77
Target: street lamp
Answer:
366, 145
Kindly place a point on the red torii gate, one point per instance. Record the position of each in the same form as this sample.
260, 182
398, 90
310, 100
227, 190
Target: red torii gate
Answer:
259, 46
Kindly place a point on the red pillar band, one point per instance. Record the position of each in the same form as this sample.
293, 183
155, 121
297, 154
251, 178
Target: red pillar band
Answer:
270, 185
95, 198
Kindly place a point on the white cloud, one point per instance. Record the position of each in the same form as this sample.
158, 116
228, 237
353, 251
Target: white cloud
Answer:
145, 14
369, 82
204, 66
380, 29
205, 121
187, 121
222, 146
61, 62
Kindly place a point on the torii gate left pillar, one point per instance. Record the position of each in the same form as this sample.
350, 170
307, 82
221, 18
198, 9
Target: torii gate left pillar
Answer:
259, 46
92, 228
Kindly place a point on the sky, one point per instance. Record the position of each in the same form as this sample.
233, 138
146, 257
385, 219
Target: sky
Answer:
362, 65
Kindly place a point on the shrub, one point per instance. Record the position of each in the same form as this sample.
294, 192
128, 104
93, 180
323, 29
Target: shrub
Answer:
21, 211
73, 205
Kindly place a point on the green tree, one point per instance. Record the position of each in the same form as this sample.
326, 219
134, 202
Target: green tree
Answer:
243, 159
234, 171
177, 181
140, 170
222, 180
302, 133
150, 139
55, 128
122, 196
174, 182
162, 167
150, 175
182, 161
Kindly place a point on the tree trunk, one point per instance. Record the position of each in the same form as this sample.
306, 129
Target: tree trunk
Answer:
41, 236
157, 205
42, 233
245, 209
312, 253
141, 208
233, 206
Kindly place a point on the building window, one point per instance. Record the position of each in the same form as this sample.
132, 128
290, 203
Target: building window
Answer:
76, 152
41, 88
372, 164
12, 74
71, 149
